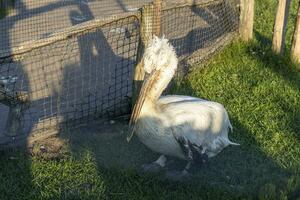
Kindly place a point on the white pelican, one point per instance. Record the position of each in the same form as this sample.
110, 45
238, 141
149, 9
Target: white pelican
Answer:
185, 127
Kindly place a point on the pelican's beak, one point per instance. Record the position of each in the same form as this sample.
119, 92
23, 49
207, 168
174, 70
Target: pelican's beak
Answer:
149, 80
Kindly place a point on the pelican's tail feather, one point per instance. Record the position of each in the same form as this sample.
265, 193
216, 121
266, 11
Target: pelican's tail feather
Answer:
231, 130
230, 127
231, 143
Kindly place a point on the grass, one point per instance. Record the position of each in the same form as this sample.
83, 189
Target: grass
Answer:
261, 92
5, 10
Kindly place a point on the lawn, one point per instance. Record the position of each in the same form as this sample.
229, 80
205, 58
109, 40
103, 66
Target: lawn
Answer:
261, 92
6, 7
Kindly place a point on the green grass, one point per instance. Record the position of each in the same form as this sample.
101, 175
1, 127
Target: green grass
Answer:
261, 92
6, 10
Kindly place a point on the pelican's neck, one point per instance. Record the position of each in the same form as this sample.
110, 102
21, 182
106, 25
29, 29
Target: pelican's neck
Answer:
160, 61
160, 85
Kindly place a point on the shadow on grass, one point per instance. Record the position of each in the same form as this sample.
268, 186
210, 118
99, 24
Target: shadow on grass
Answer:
282, 65
237, 172
244, 171
287, 70
16, 176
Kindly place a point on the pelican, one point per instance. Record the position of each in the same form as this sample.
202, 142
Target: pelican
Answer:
184, 127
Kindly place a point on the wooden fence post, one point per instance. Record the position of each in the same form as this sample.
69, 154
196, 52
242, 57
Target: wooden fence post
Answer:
280, 26
246, 19
157, 8
295, 52
150, 25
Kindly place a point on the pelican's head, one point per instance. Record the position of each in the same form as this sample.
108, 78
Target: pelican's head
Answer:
160, 54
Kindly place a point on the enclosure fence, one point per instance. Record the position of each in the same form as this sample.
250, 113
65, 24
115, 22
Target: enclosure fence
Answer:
70, 74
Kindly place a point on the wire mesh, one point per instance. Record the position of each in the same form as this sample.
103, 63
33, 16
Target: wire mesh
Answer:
199, 31
77, 79
89, 74
32, 19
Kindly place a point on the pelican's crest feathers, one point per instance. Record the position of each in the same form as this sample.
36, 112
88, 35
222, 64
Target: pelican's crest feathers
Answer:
159, 54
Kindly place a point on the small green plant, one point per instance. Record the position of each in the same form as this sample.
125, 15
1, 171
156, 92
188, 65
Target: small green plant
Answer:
5, 7
267, 192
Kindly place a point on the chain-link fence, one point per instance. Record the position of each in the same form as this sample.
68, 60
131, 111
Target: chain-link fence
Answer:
197, 32
85, 71
32, 19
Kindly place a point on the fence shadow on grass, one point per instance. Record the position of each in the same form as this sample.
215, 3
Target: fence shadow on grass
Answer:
248, 167
16, 176
286, 69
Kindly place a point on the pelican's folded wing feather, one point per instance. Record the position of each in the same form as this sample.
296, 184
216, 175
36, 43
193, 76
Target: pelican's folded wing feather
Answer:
202, 123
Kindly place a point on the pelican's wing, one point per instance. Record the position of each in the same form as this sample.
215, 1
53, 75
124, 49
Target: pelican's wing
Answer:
163, 100
196, 121
190, 113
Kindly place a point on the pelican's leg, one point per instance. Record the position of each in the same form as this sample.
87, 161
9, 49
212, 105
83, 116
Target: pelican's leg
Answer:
192, 152
161, 161
185, 171
155, 166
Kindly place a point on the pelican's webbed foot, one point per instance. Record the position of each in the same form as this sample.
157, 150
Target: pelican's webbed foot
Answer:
151, 168
155, 166
179, 175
